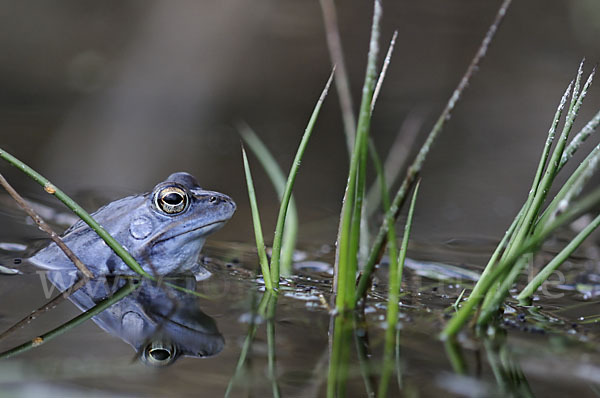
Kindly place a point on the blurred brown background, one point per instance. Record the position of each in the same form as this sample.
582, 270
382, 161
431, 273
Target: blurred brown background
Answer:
113, 96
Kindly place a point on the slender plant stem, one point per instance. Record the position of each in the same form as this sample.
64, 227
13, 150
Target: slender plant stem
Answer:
287, 193
78, 210
129, 287
277, 178
260, 243
45, 227
384, 68
393, 299
560, 258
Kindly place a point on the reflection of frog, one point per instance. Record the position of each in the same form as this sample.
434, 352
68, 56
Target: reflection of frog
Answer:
159, 322
164, 230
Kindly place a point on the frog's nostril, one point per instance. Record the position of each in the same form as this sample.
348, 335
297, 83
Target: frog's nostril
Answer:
213, 199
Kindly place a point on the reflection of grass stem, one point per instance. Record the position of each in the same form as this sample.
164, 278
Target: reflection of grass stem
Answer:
271, 345
129, 287
455, 356
45, 308
361, 341
395, 277
261, 311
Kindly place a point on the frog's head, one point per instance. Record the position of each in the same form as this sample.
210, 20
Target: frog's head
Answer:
169, 230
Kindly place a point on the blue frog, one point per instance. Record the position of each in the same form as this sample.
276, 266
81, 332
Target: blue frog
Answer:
164, 230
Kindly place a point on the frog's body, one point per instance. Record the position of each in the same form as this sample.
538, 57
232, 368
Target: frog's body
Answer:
164, 230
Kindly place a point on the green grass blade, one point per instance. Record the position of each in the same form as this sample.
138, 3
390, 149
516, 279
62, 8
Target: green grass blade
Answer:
260, 242
129, 287
577, 85
560, 258
393, 298
571, 188
386, 63
579, 139
287, 193
277, 178
489, 309
575, 209
79, 211
550, 138
416, 166
397, 158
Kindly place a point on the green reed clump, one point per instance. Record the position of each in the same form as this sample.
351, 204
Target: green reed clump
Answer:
534, 223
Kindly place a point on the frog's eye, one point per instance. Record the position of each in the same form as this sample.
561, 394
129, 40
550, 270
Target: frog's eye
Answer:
171, 200
158, 353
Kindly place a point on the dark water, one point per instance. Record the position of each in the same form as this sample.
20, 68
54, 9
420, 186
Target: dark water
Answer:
549, 349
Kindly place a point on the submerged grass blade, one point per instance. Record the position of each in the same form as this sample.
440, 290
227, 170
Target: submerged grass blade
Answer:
277, 178
393, 298
129, 287
287, 192
416, 166
260, 242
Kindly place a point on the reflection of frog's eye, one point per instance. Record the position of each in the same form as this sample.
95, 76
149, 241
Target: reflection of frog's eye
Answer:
158, 353
171, 200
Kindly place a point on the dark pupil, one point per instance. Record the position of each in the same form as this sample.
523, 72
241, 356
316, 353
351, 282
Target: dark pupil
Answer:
172, 198
160, 355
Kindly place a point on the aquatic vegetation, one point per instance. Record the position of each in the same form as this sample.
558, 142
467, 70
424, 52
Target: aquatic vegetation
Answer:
534, 223
271, 271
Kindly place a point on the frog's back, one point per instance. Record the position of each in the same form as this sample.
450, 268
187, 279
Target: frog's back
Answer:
86, 245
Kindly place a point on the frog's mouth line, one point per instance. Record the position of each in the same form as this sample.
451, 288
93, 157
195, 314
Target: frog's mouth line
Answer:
191, 230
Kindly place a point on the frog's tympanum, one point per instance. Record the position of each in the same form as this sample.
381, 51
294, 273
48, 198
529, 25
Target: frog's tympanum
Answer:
159, 322
164, 230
